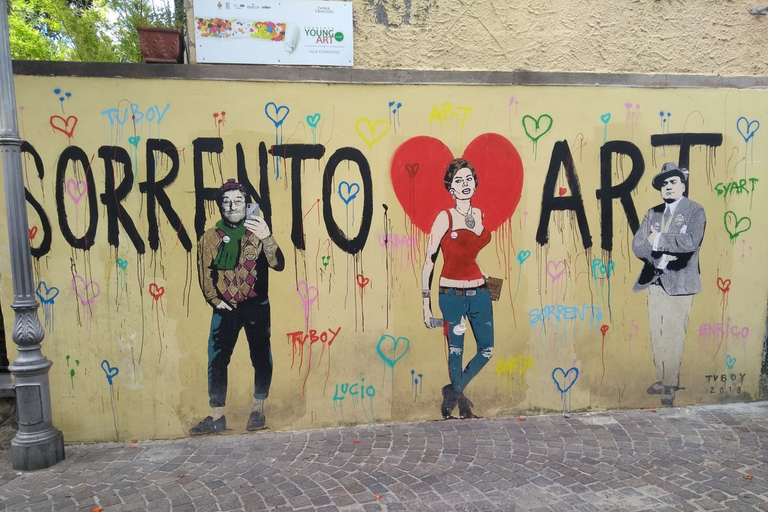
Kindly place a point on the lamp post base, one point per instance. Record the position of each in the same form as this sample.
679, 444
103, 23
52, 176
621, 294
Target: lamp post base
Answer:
37, 451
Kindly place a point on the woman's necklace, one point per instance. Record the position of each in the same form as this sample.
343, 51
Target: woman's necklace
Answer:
468, 217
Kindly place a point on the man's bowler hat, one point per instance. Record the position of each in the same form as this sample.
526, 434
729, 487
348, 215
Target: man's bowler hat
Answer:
667, 170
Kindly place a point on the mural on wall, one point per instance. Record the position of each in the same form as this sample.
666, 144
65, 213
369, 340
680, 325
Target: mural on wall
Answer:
231, 265
668, 243
466, 225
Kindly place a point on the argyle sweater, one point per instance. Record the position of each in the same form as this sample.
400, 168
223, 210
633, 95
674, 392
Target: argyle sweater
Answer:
236, 285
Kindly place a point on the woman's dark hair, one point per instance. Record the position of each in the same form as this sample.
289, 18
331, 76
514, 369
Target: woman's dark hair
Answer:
455, 166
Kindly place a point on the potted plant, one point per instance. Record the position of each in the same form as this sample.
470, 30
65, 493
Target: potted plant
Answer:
155, 29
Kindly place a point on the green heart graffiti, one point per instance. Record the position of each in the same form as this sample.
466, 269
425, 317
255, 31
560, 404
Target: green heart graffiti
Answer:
539, 128
735, 225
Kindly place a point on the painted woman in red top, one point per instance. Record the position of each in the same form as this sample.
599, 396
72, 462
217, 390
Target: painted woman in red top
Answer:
464, 296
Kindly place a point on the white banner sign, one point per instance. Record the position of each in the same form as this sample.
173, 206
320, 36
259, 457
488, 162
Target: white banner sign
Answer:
298, 32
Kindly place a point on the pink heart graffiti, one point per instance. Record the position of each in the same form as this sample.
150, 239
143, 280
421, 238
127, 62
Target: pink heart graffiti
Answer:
555, 269
307, 293
89, 297
76, 189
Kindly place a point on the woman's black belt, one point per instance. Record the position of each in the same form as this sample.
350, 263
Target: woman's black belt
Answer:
450, 290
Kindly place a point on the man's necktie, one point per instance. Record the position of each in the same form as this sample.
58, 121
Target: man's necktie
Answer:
667, 215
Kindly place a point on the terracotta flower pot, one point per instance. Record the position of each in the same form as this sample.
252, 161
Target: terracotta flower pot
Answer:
161, 45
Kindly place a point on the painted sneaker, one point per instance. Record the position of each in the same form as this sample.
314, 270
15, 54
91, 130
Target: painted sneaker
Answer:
209, 426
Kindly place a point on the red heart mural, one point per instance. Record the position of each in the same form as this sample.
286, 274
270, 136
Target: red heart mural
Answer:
418, 168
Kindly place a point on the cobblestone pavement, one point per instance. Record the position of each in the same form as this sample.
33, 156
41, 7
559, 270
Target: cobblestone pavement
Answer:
687, 458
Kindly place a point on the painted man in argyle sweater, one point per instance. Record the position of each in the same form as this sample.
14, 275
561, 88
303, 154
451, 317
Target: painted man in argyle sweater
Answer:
233, 259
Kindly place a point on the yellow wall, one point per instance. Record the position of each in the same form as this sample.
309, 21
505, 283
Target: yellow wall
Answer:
620, 36
159, 346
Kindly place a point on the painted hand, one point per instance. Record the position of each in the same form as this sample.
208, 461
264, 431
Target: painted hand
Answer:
259, 227
652, 236
428, 317
671, 258
223, 305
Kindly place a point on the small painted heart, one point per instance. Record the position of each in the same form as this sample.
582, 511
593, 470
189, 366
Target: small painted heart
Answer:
123, 264
134, 141
735, 225
523, 255
156, 291
91, 290
348, 191
730, 362
555, 269
562, 191
362, 281
604, 329
723, 284
307, 293
391, 344
32, 232
45, 294
76, 189
412, 169
605, 117
747, 128
276, 114
561, 376
537, 128
65, 126
313, 120
372, 132
110, 371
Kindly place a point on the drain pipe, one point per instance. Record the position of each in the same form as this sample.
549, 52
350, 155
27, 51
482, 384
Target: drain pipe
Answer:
37, 444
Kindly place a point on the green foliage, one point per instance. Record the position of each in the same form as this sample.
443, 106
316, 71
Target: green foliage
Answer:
85, 30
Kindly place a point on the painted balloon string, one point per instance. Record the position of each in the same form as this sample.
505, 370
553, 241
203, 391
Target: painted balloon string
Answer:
417, 384
111, 372
522, 256
122, 265
347, 192
394, 114
157, 293
603, 330
277, 115
313, 121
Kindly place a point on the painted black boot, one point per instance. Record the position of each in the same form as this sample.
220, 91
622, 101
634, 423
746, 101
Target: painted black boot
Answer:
450, 399
465, 405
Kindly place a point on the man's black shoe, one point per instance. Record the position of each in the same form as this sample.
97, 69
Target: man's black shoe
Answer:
209, 426
257, 421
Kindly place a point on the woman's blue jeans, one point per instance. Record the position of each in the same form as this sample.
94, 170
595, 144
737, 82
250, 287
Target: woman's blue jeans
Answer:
477, 309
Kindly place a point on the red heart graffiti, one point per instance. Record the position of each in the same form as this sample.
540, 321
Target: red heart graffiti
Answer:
156, 291
362, 281
32, 232
723, 284
562, 191
63, 125
604, 329
423, 195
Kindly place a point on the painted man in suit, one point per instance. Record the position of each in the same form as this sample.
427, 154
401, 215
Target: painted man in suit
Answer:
668, 243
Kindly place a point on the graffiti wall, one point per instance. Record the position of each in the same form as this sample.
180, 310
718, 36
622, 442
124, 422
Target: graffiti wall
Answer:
220, 256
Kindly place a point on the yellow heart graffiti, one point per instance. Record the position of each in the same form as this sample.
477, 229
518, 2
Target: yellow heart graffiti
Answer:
370, 133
